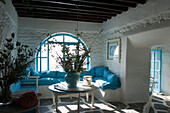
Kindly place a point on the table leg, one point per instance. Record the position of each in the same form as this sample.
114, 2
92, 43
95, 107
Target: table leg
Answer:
87, 96
78, 110
56, 102
92, 98
53, 95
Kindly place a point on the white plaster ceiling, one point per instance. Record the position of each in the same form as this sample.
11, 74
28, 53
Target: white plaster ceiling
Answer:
151, 38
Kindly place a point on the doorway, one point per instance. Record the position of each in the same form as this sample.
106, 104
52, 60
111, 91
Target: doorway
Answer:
155, 71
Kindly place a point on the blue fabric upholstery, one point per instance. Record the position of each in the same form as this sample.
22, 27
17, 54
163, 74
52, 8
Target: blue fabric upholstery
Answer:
101, 75
99, 71
61, 79
109, 85
16, 86
106, 72
61, 74
81, 78
48, 74
35, 73
47, 81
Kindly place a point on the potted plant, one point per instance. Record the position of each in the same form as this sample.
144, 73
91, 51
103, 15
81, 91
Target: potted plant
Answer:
14, 59
72, 62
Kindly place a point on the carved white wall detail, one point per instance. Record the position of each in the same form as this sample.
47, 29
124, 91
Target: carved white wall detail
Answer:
118, 32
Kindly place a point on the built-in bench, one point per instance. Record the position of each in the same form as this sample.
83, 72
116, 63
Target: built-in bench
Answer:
101, 75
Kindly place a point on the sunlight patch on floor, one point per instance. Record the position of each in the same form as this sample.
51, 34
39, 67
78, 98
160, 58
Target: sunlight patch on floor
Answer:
63, 109
84, 106
104, 107
72, 107
130, 111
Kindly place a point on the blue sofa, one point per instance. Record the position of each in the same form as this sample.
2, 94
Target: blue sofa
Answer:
101, 75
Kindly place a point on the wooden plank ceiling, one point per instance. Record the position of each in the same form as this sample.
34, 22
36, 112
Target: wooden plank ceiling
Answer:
76, 10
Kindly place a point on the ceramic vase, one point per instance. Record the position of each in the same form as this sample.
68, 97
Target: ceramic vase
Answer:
72, 79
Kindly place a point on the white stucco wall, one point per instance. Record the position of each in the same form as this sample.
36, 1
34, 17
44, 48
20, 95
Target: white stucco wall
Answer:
8, 22
142, 26
165, 75
33, 31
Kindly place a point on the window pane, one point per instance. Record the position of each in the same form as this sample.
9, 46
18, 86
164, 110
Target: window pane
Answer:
152, 73
157, 66
43, 50
152, 55
43, 64
54, 53
56, 39
69, 39
156, 55
152, 65
156, 85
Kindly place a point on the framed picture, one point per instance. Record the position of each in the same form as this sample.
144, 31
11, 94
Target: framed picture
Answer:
113, 50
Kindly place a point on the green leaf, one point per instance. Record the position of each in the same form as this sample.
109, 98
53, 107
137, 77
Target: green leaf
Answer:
18, 44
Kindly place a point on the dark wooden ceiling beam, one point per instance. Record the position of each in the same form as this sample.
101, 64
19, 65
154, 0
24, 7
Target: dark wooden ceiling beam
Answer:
61, 18
97, 3
105, 2
78, 12
134, 1
66, 9
27, 12
60, 3
81, 10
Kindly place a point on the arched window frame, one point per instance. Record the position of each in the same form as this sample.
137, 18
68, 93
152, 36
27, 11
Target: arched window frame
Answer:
65, 43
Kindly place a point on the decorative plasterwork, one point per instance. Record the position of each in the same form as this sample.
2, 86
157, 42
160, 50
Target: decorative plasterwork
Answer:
117, 32
6, 25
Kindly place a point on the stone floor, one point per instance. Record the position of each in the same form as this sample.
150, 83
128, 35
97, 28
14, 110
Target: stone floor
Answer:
160, 104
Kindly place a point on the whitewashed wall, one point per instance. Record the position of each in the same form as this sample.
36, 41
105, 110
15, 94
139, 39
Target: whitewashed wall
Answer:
165, 75
133, 25
8, 22
33, 31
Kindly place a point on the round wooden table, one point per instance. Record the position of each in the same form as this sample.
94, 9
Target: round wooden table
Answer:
62, 89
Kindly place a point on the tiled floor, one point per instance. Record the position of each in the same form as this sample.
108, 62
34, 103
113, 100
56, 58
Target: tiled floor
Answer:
160, 104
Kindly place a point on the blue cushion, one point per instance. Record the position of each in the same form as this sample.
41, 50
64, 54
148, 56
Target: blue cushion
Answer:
112, 78
27, 72
35, 73
90, 72
109, 86
51, 74
106, 72
44, 74
81, 78
61, 74
48, 74
47, 81
61, 79
99, 71
28, 80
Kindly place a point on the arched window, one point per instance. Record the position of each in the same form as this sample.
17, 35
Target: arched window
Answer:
45, 57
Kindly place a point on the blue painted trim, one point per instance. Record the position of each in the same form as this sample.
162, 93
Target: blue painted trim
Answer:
48, 60
40, 57
160, 68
